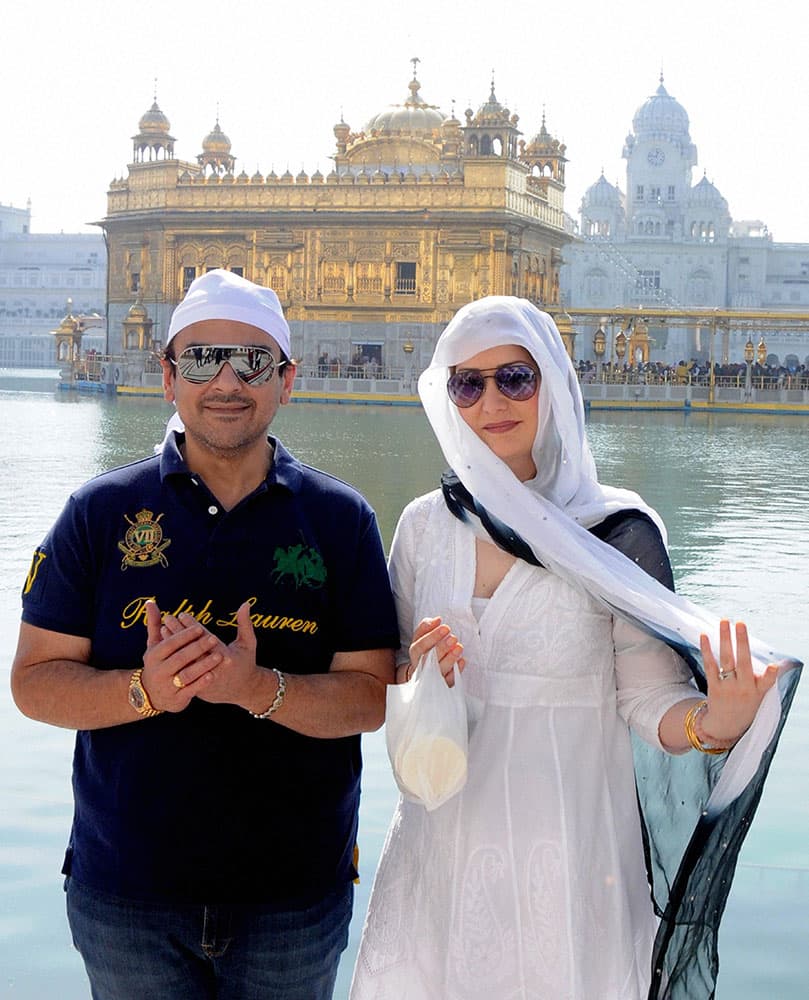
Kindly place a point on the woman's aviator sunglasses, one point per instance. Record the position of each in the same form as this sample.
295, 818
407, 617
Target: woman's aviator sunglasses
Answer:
200, 364
517, 381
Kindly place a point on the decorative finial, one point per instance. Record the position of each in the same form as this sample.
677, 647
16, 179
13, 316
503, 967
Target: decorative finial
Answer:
155, 90
415, 60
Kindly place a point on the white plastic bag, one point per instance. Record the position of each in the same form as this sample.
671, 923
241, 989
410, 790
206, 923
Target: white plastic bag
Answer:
427, 735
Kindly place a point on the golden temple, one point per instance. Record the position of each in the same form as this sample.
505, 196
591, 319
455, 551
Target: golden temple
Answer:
420, 214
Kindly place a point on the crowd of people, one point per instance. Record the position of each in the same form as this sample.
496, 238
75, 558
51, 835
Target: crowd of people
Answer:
695, 372
360, 366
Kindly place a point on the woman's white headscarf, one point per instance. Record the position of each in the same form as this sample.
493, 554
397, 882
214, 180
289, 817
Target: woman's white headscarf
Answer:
566, 473
552, 512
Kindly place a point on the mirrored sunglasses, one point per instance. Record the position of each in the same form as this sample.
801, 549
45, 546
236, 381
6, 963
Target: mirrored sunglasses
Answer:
253, 365
517, 381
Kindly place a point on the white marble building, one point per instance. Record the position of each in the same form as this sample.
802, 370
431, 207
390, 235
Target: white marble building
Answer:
669, 242
39, 273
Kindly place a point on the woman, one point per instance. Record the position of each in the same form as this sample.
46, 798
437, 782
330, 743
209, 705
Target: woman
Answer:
533, 881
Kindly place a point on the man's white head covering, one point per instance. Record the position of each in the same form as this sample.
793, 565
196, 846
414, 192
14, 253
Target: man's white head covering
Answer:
223, 295
552, 512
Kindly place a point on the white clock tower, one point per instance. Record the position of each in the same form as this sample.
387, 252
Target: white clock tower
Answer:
660, 156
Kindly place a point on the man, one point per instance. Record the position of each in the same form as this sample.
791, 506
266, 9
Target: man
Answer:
216, 622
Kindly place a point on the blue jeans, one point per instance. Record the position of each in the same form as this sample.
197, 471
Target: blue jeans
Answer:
150, 951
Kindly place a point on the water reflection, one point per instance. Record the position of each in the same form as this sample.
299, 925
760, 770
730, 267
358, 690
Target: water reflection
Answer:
734, 493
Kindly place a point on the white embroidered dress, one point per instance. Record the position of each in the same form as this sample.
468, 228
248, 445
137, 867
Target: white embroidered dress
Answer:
530, 883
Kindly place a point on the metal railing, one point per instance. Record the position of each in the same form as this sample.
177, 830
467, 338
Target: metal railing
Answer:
635, 376
342, 370
92, 367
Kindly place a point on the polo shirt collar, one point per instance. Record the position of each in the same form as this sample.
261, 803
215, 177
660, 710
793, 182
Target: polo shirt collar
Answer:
286, 471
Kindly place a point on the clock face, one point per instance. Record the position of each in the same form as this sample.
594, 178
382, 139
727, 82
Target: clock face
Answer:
656, 157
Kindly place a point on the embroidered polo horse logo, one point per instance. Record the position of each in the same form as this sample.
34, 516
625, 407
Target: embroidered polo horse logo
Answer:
143, 543
304, 564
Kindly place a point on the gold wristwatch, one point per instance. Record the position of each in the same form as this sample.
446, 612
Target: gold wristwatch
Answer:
138, 698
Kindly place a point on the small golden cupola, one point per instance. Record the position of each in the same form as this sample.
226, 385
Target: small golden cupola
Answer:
451, 140
492, 130
216, 157
545, 155
342, 131
138, 328
68, 336
153, 141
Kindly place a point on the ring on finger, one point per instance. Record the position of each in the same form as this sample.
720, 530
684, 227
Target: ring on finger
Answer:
724, 674
177, 681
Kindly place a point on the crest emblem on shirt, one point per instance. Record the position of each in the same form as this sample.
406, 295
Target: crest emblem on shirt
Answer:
300, 562
143, 544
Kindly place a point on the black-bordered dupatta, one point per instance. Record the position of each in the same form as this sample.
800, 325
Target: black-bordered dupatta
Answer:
696, 809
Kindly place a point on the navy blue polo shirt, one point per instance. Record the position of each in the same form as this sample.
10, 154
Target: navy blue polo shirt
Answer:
211, 804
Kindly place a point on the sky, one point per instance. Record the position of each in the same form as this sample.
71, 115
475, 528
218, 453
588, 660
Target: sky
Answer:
76, 78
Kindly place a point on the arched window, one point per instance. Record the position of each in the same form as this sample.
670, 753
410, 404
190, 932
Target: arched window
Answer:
485, 146
595, 286
699, 288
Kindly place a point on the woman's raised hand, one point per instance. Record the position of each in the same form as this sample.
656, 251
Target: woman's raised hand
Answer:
734, 690
433, 633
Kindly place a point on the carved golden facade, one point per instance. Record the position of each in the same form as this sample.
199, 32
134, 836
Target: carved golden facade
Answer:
419, 215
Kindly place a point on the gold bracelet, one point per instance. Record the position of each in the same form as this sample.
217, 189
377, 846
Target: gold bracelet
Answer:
278, 700
691, 731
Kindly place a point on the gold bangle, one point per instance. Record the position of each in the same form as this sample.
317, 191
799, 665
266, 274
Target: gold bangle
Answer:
691, 731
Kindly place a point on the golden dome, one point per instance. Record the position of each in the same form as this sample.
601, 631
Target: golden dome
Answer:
491, 112
544, 144
137, 312
216, 141
414, 117
154, 121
